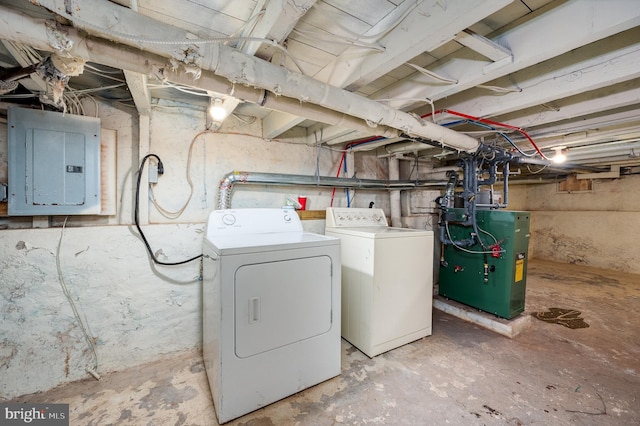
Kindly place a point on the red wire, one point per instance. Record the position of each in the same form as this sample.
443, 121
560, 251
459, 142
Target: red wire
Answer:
333, 193
344, 154
494, 123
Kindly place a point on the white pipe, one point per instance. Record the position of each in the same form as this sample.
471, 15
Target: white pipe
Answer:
33, 32
240, 68
394, 195
401, 147
604, 150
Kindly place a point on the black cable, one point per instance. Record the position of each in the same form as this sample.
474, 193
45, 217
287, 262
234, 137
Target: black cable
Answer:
136, 214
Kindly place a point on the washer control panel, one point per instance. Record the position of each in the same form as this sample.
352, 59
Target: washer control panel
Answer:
253, 221
344, 217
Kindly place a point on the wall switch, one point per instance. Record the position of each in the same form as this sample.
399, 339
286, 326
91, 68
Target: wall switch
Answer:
3, 192
153, 174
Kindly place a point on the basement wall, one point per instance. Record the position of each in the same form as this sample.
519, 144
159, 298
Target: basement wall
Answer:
134, 311
599, 228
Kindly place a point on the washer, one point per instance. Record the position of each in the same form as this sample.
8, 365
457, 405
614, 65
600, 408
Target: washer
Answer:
271, 308
387, 279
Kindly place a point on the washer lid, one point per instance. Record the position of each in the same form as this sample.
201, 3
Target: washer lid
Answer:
379, 232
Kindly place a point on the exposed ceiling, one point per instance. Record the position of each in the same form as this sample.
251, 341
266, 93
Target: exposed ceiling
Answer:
506, 73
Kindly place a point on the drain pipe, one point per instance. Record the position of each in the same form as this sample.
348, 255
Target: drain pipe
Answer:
225, 188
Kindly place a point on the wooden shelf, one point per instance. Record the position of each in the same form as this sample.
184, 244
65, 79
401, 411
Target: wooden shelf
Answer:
312, 214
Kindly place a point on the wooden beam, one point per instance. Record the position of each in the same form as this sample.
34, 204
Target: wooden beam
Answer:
408, 40
597, 65
483, 45
139, 91
551, 31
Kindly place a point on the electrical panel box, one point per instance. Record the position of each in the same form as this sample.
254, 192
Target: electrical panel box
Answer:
462, 272
54, 163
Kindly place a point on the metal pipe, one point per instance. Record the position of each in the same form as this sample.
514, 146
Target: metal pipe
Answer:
565, 166
394, 196
225, 188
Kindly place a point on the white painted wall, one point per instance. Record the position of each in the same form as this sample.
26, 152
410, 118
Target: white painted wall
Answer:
599, 228
135, 311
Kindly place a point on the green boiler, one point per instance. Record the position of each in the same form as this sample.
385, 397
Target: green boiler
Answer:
494, 278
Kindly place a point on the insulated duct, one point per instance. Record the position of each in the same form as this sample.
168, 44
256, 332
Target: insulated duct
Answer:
238, 68
225, 188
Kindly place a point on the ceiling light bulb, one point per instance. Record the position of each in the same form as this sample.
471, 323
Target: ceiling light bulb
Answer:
559, 157
217, 111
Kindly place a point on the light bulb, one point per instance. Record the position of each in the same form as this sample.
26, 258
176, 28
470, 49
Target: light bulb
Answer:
559, 157
217, 111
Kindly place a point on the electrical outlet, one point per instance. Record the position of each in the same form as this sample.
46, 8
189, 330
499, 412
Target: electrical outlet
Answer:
153, 174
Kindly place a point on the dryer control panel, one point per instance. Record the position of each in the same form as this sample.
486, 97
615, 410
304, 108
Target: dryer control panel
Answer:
344, 217
252, 221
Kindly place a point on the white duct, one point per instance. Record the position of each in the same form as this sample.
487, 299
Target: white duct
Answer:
238, 68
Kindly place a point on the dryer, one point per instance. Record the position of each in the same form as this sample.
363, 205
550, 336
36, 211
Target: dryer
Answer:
387, 279
271, 308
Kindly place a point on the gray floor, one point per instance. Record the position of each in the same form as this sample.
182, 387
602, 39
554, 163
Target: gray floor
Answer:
461, 375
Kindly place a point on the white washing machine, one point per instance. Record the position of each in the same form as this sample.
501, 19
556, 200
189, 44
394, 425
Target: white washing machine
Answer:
271, 300
387, 279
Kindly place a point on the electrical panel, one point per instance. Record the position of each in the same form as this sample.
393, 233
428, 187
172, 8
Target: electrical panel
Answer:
492, 279
54, 163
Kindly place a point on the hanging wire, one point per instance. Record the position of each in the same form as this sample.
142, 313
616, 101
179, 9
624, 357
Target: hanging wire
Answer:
65, 289
376, 36
446, 225
432, 74
499, 89
176, 214
136, 217
315, 36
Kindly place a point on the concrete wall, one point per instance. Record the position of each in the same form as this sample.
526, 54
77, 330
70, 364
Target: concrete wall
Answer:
135, 311
599, 228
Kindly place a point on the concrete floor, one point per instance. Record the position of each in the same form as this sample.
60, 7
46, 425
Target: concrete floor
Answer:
461, 375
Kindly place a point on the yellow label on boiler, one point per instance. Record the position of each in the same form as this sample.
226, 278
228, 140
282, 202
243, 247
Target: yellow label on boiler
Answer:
519, 270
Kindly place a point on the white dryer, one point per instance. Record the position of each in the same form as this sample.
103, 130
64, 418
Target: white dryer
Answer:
387, 279
271, 300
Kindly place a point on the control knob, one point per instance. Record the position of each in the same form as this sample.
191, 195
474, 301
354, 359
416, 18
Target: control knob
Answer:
228, 219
